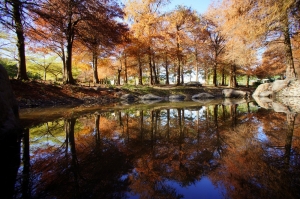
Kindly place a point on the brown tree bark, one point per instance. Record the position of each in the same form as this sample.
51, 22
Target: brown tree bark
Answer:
17, 9
95, 68
232, 80
290, 67
140, 71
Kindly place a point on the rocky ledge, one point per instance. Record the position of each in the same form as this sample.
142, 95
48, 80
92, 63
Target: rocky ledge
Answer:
279, 88
281, 95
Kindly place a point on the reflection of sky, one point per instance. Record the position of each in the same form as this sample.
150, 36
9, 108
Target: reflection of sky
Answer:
201, 189
261, 136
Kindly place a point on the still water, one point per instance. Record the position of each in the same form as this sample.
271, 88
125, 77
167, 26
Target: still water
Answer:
170, 150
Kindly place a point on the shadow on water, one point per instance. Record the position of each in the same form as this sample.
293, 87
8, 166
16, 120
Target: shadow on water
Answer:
220, 149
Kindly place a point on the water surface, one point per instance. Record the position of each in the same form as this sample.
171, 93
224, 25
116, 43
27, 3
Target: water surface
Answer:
168, 150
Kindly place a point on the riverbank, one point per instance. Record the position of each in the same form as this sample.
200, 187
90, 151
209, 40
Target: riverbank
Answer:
31, 94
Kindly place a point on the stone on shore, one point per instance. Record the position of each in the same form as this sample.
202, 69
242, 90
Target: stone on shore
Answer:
279, 88
262, 88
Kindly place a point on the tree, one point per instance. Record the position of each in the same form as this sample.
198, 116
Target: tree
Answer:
13, 17
271, 21
46, 38
43, 64
197, 44
10, 66
68, 17
145, 16
216, 44
273, 61
137, 50
181, 20
101, 38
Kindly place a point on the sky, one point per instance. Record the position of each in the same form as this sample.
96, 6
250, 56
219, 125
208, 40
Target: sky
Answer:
200, 5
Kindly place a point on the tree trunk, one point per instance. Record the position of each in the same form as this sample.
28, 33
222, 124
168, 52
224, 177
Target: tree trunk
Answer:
223, 76
178, 58
290, 68
95, 68
248, 80
182, 75
232, 80
167, 70
196, 65
206, 76
215, 74
22, 73
119, 77
178, 73
140, 71
157, 79
63, 58
150, 68
125, 69
155, 72
69, 77
70, 33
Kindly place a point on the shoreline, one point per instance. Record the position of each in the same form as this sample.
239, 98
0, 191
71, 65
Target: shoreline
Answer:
33, 94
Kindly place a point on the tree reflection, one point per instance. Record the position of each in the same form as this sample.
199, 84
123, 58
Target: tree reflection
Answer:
26, 189
251, 167
142, 151
289, 137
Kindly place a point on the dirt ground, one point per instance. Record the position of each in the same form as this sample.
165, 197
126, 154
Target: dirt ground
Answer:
37, 94
45, 94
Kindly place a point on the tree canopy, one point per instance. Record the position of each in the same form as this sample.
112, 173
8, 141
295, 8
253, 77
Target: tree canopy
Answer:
144, 41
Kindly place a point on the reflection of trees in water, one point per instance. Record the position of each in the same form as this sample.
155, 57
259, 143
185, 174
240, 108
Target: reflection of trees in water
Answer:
81, 168
164, 145
253, 167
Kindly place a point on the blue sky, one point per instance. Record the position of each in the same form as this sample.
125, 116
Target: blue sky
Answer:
200, 5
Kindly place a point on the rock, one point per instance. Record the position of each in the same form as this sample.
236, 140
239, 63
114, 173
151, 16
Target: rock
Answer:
264, 102
293, 103
151, 97
10, 131
9, 110
193, 83
280, 108
292, 89
262, 88
202, 96
266, 94
278, 85
127, 97
232, 93
279, 88
176, 98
